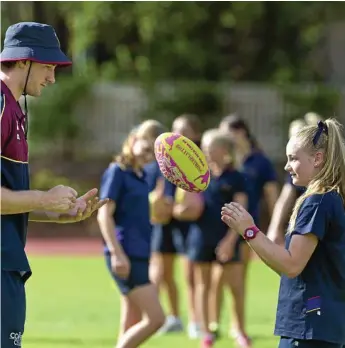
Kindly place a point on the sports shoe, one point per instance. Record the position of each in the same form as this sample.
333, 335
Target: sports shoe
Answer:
172, 324
207, 341
194, 331
242, 340
214, 328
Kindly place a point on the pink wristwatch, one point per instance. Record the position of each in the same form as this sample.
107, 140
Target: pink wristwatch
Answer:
250, 232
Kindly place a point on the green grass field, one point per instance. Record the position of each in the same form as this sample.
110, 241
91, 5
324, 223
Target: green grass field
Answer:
72, 303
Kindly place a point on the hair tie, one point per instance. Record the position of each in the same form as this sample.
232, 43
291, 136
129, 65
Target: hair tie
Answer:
321, 127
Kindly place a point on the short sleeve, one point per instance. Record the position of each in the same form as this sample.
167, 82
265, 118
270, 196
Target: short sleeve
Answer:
312, 217
241, 184
267, 171
111, 183
288, 180
5, 122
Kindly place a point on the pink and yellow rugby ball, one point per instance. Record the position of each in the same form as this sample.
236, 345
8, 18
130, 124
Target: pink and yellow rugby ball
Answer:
182, 162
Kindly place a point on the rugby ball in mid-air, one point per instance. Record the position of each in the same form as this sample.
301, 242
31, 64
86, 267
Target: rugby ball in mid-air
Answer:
182, 162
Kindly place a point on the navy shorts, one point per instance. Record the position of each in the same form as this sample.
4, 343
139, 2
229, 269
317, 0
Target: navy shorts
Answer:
138, 275
198, 252
287, 342
167, 239
13, 309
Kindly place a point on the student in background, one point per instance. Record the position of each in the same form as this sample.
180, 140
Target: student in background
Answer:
287, 198
210, 241
126, 230
190, 126
169, 241
161, 204
289, 192
262, 183
149, 130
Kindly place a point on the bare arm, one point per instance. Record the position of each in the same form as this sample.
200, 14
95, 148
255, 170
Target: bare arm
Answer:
271, 193
42, 216
107, 227
242, 199
288, 262
17, 202
190, 208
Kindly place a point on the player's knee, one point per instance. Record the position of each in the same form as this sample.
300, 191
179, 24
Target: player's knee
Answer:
155, 319
237, 289
168, 278
190, 279
159, 321
156, 273
201, 287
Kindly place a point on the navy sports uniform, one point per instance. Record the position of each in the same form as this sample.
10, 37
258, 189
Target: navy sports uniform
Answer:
311, 306
27, 41
167, 238
259, 171
209, 229
133, 229
15, 269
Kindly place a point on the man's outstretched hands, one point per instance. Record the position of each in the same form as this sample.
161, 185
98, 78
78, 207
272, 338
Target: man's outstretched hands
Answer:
84, 207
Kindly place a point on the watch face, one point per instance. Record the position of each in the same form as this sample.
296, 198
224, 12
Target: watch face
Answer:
250, 233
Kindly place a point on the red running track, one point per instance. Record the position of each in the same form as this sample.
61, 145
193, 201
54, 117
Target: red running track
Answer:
66, 246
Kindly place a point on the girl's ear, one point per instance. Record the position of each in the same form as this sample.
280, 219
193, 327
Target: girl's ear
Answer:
319, 159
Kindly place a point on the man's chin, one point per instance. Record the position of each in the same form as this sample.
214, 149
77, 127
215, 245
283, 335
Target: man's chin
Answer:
35, 93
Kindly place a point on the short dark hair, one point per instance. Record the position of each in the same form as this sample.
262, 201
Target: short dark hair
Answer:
8, 64
233, 121
192, 120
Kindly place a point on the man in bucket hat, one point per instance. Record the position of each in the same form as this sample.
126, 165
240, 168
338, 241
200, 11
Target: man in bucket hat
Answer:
31, 52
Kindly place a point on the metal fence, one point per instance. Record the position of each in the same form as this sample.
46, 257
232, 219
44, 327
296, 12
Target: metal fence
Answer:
114, 109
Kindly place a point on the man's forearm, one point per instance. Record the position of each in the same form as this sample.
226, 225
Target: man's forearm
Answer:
43, 216
17, 202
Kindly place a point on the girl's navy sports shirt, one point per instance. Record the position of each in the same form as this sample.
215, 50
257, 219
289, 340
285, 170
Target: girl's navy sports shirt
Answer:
130, 192
311, 306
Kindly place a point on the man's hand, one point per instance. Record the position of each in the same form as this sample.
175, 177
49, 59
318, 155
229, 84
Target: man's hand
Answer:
83, 208
59, 199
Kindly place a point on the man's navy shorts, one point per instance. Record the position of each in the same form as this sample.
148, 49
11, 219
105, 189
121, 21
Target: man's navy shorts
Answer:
13, 309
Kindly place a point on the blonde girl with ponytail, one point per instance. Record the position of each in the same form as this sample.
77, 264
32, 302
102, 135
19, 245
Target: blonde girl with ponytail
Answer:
311, 302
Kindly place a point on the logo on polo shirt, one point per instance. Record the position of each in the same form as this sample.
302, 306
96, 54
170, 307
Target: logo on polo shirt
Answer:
18, 136
17, 338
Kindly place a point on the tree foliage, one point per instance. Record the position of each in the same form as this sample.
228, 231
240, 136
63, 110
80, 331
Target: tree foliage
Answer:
256, 41
172, 41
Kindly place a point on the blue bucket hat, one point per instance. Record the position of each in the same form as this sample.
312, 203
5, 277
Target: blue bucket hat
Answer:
35, 42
